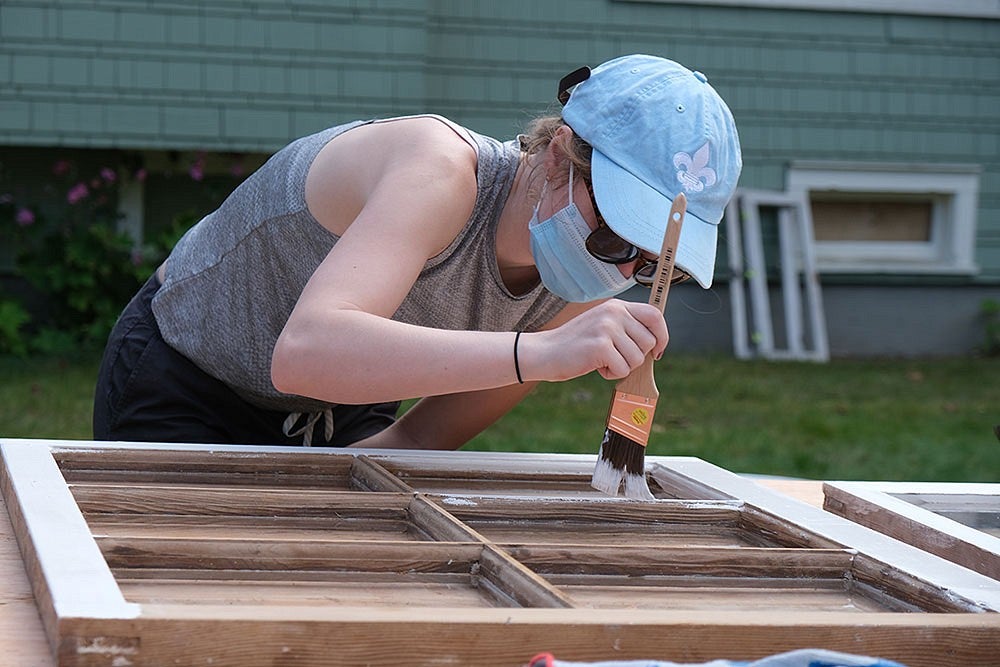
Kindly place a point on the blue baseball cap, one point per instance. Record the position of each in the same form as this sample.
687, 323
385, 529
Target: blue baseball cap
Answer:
657, 129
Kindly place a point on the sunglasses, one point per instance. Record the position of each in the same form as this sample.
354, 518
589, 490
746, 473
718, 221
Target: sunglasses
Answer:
605, 245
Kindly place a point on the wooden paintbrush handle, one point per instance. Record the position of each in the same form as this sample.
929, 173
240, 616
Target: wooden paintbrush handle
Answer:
640, 380
668, 253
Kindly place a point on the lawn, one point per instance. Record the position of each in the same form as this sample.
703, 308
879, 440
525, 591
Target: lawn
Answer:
862, 419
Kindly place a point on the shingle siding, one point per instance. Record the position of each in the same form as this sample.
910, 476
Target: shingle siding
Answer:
325, 61
242, 75
802, 84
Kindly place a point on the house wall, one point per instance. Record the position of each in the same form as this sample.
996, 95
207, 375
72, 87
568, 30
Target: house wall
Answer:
230, 75
224, 75
871, 321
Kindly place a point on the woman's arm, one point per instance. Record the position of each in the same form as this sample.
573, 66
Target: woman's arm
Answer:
340, 344
449, 421
344, 355
397, 194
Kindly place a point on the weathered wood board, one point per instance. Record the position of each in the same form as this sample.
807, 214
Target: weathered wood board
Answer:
960, 522
171, 554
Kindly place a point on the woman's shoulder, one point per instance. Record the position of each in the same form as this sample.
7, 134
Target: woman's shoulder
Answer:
410, 141
413, 161
430, 124
429, 135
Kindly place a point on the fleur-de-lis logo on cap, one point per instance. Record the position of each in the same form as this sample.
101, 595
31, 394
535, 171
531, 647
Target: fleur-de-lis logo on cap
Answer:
694, 173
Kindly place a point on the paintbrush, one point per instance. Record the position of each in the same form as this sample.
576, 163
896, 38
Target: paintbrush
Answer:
630, 417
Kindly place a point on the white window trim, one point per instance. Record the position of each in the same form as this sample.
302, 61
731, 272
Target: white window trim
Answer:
954, 190
131, 204
960, 8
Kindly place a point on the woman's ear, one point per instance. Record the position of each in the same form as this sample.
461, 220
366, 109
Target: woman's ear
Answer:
555, 153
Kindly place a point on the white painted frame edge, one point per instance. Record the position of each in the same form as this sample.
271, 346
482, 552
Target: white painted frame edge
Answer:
884, 495
750, 201
70, 576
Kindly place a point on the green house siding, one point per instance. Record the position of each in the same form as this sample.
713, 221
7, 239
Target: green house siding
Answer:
229, 75
241, 76
209, 75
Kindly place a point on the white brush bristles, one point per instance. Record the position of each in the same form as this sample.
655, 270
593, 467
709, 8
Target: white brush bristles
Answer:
636, 487
607, 478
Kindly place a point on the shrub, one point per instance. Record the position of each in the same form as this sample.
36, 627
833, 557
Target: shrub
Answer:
12, 318
85, 268
87, 272
990, 311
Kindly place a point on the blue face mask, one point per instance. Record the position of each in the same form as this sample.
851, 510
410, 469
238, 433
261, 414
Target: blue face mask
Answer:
567, 269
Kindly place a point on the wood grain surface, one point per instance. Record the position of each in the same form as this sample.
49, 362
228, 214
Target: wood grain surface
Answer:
259, 556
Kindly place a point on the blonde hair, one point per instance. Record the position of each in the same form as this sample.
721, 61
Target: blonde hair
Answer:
541, 132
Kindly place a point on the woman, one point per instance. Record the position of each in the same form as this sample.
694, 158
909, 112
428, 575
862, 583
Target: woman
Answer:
410, 257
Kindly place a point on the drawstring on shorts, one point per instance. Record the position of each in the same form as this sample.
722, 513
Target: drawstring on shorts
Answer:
306, 430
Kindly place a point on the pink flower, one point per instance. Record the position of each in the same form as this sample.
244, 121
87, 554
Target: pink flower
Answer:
197, 170
140, 175
61, 167
237, 169
77, 193
24, 217
109, 175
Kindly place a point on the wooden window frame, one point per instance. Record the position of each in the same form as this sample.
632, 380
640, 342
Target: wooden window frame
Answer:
89, 622
952, 190
889, 507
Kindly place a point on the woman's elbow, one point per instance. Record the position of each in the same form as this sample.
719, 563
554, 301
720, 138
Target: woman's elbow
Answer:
306, 362
300, 366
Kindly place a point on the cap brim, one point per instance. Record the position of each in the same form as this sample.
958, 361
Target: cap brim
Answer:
638, 213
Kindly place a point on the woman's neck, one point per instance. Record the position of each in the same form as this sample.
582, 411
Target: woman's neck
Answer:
513, 241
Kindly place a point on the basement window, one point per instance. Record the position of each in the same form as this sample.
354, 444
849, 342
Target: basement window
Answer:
872, 218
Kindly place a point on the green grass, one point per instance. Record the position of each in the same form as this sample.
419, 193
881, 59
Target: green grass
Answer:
871, 419
887, 420
47, 398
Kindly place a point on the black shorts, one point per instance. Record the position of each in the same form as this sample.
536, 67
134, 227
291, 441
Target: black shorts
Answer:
148, 392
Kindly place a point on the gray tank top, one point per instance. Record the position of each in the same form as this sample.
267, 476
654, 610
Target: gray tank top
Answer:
234, 278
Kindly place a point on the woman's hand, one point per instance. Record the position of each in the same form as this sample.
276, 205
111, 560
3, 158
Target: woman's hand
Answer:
612, 338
